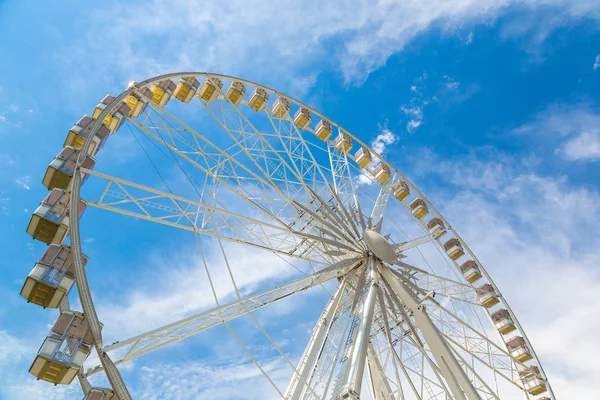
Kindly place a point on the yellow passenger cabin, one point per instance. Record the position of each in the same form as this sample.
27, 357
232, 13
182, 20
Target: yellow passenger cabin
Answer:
487, 296
454, 249
60, 171
470, 270
419, 208
210, 89
186, 89
280, 108
64, 350
81, 130
50, 221
302, 118
161, 92
503, 321
137, 103
258, 100
382, 173
100, 394
532, 380
436, 228
51, 277
323, 130
343, 142
518, 349
116, 117
363, 157
400, 190
235, 93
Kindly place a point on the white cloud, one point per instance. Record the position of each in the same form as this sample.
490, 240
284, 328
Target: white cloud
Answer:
199, 379
576, 129
185, 289
274, 47
586, 146
384, 139
24, 181
469, 39
380, 144
597, 62
415, 114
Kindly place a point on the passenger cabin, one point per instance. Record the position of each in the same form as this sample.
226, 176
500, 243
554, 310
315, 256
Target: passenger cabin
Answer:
64, 350
343, 142
100, 394
470, 271
116, 117
436, 228
518, 349
323, 130
161, 92
419, 208
186, 89
51, 277
210, 89
363, 157
503, 321
302, 118
258, 100
382, 173
137, 104
81, 130
235, 93
454, 249
401, 190
280, 108
50, 221
60, 171
486, 295
532, 380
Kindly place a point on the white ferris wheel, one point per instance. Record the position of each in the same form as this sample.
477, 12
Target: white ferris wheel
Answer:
412, 313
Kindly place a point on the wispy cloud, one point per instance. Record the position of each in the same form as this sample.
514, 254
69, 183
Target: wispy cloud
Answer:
415, 117
24, 181
234, 38
597, 62
380, 144
586, 146
574, 128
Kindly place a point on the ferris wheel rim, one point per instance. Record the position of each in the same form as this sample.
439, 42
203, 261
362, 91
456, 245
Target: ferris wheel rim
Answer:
74, 228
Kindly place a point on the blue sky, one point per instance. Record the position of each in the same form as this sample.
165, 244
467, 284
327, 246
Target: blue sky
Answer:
493, 108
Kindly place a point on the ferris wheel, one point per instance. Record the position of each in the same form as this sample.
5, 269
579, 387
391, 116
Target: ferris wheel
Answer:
411, 312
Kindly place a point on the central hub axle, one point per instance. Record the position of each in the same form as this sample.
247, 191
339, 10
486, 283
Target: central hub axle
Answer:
379, 246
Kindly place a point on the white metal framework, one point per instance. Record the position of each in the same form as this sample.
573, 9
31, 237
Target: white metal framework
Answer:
412, 315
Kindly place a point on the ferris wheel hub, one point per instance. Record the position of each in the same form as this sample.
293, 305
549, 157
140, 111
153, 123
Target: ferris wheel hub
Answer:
379, 246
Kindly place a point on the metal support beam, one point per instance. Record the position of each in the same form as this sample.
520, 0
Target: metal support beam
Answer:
297, 386
456, 378
353, 371
176, 331
380, 386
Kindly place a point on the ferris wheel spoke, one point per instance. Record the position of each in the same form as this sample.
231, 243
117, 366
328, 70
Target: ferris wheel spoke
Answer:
277, 207
160, 337
376, 218
411, 244
430, 284
167, 209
